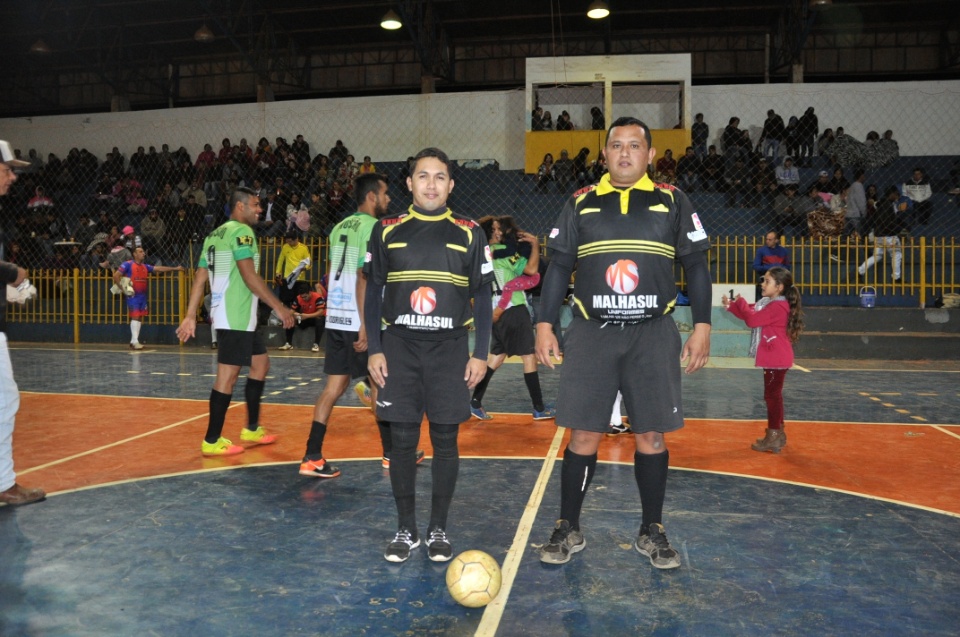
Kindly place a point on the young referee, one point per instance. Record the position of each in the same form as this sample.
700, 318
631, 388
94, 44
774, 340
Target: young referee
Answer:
623, 234
423, 268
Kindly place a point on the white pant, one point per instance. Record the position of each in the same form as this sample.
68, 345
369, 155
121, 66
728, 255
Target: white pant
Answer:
9, 404
881, 247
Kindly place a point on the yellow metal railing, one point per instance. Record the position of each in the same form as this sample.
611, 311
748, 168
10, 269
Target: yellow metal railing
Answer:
820, 267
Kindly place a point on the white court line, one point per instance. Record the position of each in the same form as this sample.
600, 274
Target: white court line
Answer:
118, 442
493, 613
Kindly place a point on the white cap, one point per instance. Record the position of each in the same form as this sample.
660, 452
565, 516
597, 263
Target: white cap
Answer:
8, 158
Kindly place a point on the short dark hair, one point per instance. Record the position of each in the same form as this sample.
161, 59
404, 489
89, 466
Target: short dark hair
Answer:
367, 183
630, 121
241, 194
858, 173
486, 222
437, 154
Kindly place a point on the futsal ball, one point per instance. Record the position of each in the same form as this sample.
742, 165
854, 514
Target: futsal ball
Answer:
473, 579
423, 300
127, 286
622, 276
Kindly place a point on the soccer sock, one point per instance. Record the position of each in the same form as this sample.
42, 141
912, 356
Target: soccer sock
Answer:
481, 389
615, 418
213, 334
135, 331
315, 442
650, 471
403, 472
532, 379
385, 438
252, 393
289, 335
219, 403
576, 473
444, 470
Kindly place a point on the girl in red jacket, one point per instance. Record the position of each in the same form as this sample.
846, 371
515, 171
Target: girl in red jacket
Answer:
777, 320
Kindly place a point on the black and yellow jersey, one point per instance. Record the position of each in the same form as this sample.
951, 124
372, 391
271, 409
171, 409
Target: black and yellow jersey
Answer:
626, 241
430, 267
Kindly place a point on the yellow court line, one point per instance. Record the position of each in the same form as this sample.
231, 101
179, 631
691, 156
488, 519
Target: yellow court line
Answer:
118, 442
493, 613
802, 369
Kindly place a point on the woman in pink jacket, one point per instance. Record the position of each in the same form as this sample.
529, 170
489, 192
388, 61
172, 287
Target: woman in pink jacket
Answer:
777, 321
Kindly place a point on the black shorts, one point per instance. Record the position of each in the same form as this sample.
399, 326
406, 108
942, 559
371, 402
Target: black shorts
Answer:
340, 357
641, 361
238, 348
425, 377
513, 333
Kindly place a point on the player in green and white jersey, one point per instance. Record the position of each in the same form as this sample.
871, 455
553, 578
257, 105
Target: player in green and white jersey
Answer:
230, 261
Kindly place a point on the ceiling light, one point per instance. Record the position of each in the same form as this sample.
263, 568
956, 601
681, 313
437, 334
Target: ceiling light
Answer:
391, 21
40, 47
204, 34
816, 4
598, 10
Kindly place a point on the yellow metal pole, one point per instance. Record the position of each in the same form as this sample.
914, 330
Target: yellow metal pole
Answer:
923, 271
76, 306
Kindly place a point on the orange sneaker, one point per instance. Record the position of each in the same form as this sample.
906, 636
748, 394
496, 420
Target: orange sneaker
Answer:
318, 469
221, 447
258, 436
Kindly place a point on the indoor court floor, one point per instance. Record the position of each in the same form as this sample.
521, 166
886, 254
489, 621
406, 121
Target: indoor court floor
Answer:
854, 529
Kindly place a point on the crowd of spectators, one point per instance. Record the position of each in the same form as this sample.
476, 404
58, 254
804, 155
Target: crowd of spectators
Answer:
169, 198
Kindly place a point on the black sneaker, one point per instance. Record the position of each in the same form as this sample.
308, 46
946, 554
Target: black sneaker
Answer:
399, 549
438, 546
563, 543
654, 544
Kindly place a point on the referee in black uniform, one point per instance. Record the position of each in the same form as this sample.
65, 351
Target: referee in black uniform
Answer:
623, 235
423, 267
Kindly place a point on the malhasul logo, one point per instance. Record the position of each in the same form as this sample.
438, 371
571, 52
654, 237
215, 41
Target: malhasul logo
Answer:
423, 300
622, 276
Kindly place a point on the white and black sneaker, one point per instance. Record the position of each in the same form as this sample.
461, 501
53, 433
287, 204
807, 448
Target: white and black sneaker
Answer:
399, 549
438, 546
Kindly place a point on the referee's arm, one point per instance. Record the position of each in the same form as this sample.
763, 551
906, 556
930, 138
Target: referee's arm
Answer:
554, 290
699, 287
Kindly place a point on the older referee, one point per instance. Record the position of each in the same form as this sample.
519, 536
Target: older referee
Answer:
623, 234
11, 493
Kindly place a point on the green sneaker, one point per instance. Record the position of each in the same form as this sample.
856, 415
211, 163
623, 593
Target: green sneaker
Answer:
222, 447
258, 436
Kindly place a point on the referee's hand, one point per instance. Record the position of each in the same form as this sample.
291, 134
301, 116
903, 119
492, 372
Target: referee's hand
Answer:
547, 344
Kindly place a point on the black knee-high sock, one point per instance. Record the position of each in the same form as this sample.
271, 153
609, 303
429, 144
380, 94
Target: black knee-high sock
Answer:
252, 393
289, 335
315, 442
481, 389
385, 438
444, 470
403, 472
219, 403
650, 471
532, 379
576, 473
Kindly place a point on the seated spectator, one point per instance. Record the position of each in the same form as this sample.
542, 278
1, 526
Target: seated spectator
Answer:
323, 175
178, 234
347, 174
273, 220
825, 142
547, 121
545, 173
688, 171
822, 183
337, 154
598, 168
298, 217
536, 119
195, 190
581, 169
667, 167
737, 182
563, 122
337, 201
40, 200
597, 121
321, 221
713, 169
699, 133
152, 230
205, 161
167, 200
310, 310
763, 185
367, 166
84, 230
787, 173
886, 225
300, 150
918, 189
838, 183
730, 141
790, 210
563, 171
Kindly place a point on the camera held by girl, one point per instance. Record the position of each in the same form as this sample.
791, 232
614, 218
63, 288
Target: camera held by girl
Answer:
777, 321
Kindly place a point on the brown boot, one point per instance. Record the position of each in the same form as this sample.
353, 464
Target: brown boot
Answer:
773, 441
17, 495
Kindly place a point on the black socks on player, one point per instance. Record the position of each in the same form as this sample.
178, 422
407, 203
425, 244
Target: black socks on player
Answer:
315, 442
532, 379
445, 467
576, 473
252, 393
219, 403
650, 470
477, 400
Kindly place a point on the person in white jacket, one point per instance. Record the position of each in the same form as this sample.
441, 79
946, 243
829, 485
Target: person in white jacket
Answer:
919, 190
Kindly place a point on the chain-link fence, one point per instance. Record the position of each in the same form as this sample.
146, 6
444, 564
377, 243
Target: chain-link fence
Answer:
67, 209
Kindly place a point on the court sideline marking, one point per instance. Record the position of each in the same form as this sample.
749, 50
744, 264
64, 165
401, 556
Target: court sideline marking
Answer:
493, 613
117, 443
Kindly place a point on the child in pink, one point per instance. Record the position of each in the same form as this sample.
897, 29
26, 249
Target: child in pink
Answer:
777, 321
